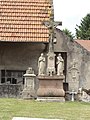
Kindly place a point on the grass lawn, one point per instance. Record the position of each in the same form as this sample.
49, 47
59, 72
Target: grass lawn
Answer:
10, 108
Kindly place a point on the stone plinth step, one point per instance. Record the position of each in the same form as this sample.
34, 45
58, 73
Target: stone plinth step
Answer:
51, 99
24, 118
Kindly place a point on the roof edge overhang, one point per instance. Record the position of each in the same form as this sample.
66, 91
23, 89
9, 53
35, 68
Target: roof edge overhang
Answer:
4, 41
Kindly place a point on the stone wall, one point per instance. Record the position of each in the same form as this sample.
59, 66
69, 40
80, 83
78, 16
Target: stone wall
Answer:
10, 91
83, 58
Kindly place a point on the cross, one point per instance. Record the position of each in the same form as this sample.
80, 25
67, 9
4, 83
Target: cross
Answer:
73, 95
51, 25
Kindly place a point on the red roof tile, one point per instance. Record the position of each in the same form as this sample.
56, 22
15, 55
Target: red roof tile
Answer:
84, 43
21, 20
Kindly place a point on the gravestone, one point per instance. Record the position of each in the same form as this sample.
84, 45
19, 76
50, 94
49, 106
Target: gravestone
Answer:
74, 76
29, 91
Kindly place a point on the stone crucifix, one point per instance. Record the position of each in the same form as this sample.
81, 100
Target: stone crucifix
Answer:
51, 25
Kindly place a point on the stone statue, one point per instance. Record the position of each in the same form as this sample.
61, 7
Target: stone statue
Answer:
41, 65
60, 64
51, 25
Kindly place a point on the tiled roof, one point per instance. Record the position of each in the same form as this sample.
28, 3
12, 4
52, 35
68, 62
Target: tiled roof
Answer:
21, 20
84, 43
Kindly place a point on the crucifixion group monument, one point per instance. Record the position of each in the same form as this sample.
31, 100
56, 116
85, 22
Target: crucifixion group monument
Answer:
51, 83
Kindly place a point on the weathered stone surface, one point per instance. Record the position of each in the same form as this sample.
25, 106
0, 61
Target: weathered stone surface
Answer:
60, 65
50, 86
51, 64
73, 74
41, 65
24, 118
29, 91
74, 51
51, 99
10, 90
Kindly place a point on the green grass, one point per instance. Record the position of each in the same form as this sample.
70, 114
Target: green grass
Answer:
10, 108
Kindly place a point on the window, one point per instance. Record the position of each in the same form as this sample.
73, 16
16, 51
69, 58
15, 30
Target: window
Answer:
12, 76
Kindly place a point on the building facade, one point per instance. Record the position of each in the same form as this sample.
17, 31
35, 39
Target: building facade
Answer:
77, 51
23, 38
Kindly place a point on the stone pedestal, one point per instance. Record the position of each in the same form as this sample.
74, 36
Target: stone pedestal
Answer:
51, 64
50, 88
29, 91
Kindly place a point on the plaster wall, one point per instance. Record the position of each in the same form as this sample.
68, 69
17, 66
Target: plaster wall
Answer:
20, 56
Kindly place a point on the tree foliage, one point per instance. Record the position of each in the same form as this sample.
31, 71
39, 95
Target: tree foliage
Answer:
83, 30
68, 33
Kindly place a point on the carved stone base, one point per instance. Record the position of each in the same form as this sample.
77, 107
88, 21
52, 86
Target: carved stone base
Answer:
51, 99
27, 94
51, 87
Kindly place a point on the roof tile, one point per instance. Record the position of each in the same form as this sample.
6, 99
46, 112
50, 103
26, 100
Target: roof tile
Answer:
21, 20
84, 43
